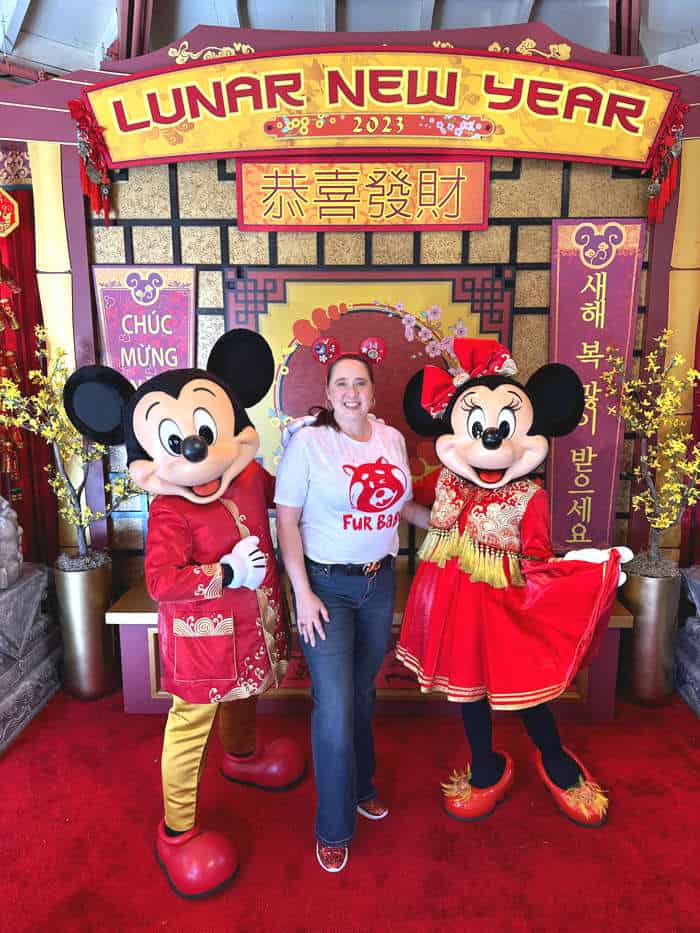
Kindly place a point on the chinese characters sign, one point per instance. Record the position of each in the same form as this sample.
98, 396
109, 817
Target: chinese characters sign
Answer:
596, 268
377, 99
146, 318
9, 214
360, 194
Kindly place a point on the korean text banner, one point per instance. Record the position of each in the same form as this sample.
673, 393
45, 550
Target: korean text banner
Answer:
596, 269
368, 98
146, 318
356, 193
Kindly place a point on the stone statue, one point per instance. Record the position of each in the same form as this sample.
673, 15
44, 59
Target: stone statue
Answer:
10, 545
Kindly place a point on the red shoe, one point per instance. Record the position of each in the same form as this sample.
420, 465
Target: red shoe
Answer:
372, 809
332, 858
196, 863
462, 801
585, 804
278, 765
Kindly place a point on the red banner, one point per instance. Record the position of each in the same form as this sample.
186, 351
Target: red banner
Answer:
361, 193
596, 268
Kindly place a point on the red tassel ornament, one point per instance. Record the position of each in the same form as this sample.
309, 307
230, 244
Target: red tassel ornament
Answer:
664, 166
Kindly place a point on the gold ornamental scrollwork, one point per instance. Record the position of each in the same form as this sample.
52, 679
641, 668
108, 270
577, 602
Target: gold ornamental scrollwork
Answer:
560, 51
183, 54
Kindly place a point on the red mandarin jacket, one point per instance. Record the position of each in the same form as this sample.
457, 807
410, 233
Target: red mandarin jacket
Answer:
215, 643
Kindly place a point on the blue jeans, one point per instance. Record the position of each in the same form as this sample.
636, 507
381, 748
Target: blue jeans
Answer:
343, 669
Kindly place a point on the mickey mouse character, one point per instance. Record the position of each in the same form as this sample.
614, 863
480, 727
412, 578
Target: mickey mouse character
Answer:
210, 566
493, 619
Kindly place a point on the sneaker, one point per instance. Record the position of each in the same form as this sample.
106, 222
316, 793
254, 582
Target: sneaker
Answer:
332, 858
373, 809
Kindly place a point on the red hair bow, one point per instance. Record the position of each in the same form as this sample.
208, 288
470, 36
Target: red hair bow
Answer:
477, 358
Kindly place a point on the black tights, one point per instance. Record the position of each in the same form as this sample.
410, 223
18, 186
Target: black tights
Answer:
487, 765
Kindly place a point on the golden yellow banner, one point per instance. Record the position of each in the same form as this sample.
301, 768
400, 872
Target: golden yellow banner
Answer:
358, 194
381, 99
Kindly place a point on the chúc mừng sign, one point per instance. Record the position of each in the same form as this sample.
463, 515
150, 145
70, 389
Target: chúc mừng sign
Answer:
357, 193
147, 316
378, 99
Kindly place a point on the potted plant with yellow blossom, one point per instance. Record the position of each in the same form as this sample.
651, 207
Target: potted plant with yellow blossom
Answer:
668, 480
83, 579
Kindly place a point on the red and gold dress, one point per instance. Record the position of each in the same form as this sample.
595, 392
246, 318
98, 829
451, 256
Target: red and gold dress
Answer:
491, 613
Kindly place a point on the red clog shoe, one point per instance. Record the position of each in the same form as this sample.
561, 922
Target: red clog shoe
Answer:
197, 863
586, 804
464, 802
278, 765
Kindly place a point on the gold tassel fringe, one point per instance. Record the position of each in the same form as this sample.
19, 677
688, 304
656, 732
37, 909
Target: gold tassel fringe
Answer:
459, 784
484, 564
588, 797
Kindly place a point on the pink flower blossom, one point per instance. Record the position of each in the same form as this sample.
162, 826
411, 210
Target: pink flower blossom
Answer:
432, 348
408, 320
409, 334
433, 313
424, 334
459, 330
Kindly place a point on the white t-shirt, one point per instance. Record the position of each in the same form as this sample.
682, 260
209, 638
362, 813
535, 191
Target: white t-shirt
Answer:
351, 492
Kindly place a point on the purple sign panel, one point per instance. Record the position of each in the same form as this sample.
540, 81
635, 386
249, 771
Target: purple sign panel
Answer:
146, 318
596, 268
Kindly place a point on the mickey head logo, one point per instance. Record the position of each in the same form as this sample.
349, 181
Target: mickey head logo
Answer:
375, 487
597, 250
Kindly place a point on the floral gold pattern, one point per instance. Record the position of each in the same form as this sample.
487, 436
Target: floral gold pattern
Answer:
183, 54
560, 51
490, 540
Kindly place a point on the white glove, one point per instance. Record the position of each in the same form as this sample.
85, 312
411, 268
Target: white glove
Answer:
291, 427
594, 555
248, 563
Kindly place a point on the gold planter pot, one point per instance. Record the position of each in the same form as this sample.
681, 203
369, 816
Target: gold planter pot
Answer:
89, 648
653, 601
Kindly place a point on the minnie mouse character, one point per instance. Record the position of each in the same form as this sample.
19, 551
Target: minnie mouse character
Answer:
493, 619
210, 566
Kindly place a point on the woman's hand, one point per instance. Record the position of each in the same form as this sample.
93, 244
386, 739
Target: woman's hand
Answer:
311, 614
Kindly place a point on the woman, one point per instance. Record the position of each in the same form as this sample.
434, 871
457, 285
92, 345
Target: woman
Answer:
342, 487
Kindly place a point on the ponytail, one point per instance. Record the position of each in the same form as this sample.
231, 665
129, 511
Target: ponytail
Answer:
324, 417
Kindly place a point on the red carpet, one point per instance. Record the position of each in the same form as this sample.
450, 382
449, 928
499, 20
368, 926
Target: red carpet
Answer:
80, 804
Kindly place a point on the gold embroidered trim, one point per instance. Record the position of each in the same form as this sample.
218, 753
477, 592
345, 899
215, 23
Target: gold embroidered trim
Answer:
503, 701
213, 589
206, 626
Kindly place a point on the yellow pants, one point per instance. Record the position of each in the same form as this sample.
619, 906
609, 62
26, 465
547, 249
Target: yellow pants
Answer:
184, 750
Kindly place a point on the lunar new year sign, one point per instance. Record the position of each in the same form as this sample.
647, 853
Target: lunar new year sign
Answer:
373, 98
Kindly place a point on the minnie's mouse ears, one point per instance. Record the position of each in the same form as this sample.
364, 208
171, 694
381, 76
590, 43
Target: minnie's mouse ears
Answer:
327, 349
